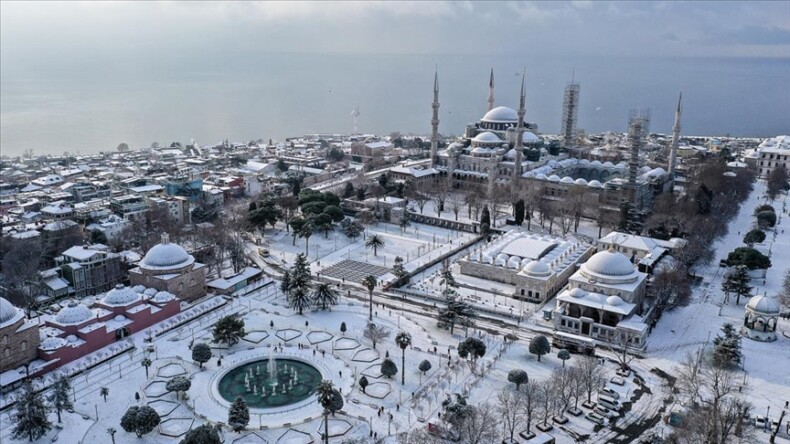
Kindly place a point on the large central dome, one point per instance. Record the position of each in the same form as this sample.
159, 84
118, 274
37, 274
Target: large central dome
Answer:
501, 114
7, 311
609, 263
166, 255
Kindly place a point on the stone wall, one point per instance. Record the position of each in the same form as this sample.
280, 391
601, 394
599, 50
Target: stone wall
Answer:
17, 347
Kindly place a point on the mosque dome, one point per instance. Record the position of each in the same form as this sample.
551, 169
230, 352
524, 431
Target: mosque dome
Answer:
166, 255
487, 137
567, 179
608, 164
763, 304
536, 268
541, 176
614, 300
52, 343
580, 181
577, 293
594, 184
511, 154
595, 163
554, 178
609, 263
74, 313
120, 295
7, 311
163, 296
501, 114
529, 137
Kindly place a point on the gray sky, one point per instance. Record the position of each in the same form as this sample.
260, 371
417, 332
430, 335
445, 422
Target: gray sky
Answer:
147, 31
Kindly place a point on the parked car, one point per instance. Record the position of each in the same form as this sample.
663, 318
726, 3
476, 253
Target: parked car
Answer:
603, 411
596, 418
610, 393
609, 403
617, 381
759, 422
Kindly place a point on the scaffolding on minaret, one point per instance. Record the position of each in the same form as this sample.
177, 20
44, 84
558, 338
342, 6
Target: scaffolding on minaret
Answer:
673, 148
570, 112
638, 128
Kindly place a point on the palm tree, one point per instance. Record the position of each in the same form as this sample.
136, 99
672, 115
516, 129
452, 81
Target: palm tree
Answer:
370, 283
324, 394
403, 340
324, 294
306, 231
375, 241
104, 391
146, 363
111, 431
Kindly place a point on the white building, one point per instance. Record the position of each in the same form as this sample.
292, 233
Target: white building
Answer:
603, 301
774, 152
759, 323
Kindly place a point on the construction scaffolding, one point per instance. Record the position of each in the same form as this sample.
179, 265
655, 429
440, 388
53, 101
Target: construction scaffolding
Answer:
570, 113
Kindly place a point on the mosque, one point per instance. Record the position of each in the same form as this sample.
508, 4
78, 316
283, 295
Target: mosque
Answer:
491, 155
18, 337
168, 267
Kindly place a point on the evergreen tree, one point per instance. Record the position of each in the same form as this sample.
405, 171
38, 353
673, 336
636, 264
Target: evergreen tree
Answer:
363, 383
348, 191
519, 210
455, 312
140, 420
388, 368
727, 347
471, 349
229, 330
485, 220
60, 396
539, 345
324, 294
204, 434
30, 417
238, 415
737, 281
343, 328
518, 377
178, 384
201, 353
564, 355
448, 280
337, 402
424, 366
285, 284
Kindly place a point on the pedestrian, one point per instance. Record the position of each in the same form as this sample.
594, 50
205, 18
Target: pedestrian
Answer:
341, 373
323, 353
313, 352
376, 435
397, 407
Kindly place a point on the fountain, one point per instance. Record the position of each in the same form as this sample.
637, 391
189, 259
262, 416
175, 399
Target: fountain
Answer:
274, 386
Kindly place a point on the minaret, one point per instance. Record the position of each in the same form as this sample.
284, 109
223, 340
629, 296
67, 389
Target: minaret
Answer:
491, 90
519, 135
435, 119
673, 150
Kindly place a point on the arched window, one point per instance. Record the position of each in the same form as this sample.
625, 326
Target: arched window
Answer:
5, 340
7, 352
23, 346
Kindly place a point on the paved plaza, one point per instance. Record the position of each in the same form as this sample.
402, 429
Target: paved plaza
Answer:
353, 271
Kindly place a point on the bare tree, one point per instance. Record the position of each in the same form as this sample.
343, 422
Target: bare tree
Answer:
624, 348
419, 194
590, 375
544, 400
530, 401
479, 425
715, 399
375, 334
563, 389
20, 280
455, 203
439, 195
510, 410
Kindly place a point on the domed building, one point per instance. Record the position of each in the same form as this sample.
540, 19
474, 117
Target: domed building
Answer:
538, 266
759, 323
168, 267
78, 329
18, 337
603, 301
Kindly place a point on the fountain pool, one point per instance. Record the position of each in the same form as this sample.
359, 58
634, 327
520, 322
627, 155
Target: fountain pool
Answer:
271, 382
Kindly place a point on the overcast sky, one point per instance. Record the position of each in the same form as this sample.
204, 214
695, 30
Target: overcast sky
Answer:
149, 32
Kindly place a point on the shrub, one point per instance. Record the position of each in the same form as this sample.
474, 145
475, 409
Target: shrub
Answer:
749, 257
766, 219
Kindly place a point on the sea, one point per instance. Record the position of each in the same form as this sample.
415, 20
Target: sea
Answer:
83, 108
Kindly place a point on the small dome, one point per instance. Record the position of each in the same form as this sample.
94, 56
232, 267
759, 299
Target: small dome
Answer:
529, 137
554, 178
480, 150
541, 176
7, 311
577, 292
164, 296
595, 163
594, 297
166, 255
609, 263
567, 179
580, 181
150, 292
501, 114
763, 304
614, 300
139, 288
594, 184
608, 164
487, 137
74, 313
72, 339
120, 318
52, 343
658, 172
511, 154
120, 295
536, 268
